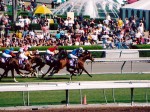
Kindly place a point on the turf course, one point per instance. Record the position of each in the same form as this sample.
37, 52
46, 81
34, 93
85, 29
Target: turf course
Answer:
93, 96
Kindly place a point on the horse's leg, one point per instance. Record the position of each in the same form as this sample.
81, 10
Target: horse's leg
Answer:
40, 68
34, 67
47, 71
6, 75
85, 71
19, 72
13, 76
32, 72
55, 70
36, 72
80, 71
5, 72
72, 74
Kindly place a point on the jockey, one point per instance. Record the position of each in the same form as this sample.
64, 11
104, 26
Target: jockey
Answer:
8, 53
22, 57
27, 52
75, 54
50, 52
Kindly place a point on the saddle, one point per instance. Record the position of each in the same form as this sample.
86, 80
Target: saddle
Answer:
50, 58
73, 62
4, 60
22, 63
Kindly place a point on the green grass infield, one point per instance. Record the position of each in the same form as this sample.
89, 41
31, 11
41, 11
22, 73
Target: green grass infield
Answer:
95, 96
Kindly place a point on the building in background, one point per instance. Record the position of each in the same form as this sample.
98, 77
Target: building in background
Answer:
139, 9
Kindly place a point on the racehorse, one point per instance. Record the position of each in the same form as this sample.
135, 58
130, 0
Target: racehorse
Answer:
79, 67
13, 64
8, 67
57, 58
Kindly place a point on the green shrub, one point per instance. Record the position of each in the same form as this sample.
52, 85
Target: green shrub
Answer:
142, 53
35, 26
98, 19
86, 17
62, 16
41, 48
94, 47
53, 26
142, 46
23, 13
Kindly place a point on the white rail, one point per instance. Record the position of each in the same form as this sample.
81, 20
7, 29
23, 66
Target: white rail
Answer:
28, 87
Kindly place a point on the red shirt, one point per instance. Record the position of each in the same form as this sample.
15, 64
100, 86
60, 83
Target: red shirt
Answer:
52, 49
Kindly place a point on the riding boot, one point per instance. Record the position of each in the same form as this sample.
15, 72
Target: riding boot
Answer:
75, 63
25, 62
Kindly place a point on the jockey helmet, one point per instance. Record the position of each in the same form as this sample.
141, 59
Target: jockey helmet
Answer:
21, 50
26, 48
81, 48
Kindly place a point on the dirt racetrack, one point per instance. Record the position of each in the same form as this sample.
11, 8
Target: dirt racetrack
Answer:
88, 109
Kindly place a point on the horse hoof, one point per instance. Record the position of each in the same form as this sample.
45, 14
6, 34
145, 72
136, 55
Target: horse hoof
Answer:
42, 76
50, 75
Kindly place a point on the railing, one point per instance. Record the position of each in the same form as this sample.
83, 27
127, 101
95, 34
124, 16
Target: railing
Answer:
45, 86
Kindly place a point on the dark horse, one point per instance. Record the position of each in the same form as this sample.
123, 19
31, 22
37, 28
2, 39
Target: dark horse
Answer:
73, 71
61, 55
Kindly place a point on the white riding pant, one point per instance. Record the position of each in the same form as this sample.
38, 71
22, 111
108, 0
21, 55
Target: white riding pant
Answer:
23, 56
49, 52
73, 56
6, 55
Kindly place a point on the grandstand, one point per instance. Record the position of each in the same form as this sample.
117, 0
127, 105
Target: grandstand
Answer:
139, 9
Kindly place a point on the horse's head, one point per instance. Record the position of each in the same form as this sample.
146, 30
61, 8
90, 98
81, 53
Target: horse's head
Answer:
88, 55
62, 54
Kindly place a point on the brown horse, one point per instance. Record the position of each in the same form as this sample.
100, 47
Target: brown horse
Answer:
58, 58
79, 68
13, 64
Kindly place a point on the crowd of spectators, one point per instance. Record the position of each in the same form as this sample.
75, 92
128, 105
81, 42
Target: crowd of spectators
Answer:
112, 34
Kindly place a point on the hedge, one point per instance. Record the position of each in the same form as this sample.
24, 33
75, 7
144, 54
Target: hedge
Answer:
142, 53
35, 26
43, 48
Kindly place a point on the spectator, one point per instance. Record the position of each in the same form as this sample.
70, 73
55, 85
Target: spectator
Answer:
120, 23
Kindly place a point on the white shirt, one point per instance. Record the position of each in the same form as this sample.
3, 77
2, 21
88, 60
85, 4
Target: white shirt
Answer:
105, 36
70, 23
138, 34
94, 37
27, 21
31, 33
66, 22
34, 21
140, 29
87, 43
